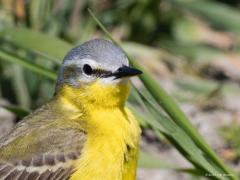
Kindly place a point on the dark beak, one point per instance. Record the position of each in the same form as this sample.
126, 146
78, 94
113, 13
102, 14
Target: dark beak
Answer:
124, 71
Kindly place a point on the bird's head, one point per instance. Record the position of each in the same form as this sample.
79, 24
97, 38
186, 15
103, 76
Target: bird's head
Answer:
96, 72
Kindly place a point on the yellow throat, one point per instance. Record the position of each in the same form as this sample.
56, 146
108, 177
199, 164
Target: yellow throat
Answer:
111, 150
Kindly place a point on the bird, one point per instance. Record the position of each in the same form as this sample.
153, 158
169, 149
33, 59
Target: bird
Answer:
85, 132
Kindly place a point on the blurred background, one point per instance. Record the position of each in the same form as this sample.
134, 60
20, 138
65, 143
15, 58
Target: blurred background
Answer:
191, 47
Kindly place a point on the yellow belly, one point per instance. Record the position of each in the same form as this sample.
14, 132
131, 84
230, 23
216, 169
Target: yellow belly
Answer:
111, 150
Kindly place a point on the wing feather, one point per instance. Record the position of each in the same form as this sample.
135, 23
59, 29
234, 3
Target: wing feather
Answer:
44, 145
40, 167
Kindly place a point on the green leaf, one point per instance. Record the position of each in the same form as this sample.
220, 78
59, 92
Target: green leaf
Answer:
36, 42
218, 13
27, 64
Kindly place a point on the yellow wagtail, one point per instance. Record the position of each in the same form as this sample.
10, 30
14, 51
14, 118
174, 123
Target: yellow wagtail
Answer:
85, 132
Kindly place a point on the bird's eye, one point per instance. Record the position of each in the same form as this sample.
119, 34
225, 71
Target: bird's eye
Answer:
87, 69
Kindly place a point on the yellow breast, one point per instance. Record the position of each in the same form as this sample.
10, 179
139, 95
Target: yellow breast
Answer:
111, 149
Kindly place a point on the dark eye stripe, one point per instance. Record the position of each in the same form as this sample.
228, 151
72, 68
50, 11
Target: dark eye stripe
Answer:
100, 72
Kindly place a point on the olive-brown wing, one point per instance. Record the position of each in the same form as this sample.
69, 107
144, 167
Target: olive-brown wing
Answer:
40, 167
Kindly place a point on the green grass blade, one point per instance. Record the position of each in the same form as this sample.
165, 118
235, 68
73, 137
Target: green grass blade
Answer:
20, 86
166, 127
182, 142
218, 13
33, 67
36, 41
